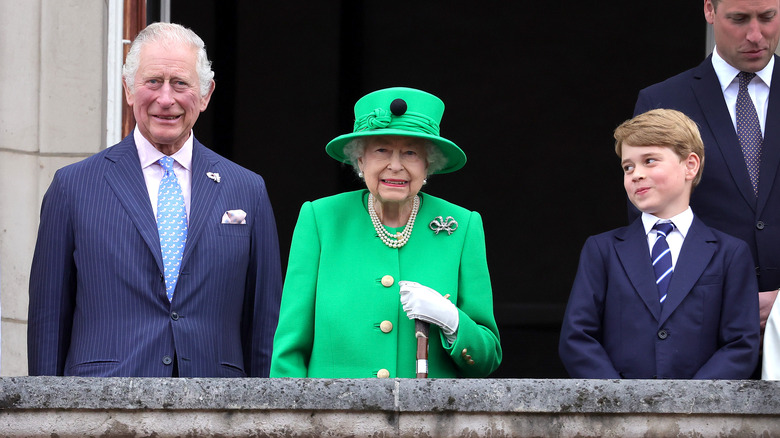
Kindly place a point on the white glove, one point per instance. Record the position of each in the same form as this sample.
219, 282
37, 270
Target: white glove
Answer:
423, 303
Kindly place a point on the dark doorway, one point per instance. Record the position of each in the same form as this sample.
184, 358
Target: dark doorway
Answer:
533, 92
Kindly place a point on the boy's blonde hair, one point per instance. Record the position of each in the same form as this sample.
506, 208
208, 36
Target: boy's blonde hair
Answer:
662, 127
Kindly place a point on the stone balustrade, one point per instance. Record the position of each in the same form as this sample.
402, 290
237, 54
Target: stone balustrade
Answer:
150, 407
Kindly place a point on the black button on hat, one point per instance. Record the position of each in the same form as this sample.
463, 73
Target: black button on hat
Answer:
398, 107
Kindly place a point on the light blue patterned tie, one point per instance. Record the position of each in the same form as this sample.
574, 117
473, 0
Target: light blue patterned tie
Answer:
662, 258
749, 129
171, 224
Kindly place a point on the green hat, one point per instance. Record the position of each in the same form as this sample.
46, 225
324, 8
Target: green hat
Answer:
400, 111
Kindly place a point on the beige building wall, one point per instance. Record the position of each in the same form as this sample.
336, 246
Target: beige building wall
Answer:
52, 113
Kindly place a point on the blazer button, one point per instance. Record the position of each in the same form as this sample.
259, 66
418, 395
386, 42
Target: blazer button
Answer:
760, 225
174, 316
388, 280
383, 374
386, 326
663, 334
470, 361
167, 360
465, 352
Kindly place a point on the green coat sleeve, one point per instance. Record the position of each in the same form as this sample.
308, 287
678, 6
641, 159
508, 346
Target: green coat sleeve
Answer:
477, 349
295, 333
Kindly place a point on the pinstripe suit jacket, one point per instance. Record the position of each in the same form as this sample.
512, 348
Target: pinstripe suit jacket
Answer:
97, 295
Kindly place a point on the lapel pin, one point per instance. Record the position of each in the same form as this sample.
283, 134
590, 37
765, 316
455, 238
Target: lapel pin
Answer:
214, 176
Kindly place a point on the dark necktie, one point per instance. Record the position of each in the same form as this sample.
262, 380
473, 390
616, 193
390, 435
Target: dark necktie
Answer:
662, 258
748, 129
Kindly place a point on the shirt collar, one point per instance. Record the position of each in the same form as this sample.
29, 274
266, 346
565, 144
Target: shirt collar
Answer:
727, 73
682, 221
148, 154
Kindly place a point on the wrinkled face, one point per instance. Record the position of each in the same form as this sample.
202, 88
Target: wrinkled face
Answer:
394, 167
166, 99
746, 31
656, 180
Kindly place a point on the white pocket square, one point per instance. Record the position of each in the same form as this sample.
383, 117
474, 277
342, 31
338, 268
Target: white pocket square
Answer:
234, 217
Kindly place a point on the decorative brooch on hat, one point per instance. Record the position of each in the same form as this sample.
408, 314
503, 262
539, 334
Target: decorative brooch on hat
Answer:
440, 224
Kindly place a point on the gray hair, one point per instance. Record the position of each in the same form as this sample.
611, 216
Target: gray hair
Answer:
168, 33
433, 155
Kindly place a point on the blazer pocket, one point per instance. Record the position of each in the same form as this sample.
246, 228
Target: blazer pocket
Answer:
710, 279
231, 370
93, 368
234, 230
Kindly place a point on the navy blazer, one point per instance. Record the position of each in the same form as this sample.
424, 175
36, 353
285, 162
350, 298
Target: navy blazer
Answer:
725, 199
615, 327
97, 292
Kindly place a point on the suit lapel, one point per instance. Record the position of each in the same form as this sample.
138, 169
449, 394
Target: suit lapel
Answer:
204, 195
707, 90
770, 154
126, 179
634, 255
695, 254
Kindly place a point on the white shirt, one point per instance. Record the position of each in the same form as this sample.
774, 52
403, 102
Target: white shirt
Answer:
770, 369
153, 171
758, 87
682, 223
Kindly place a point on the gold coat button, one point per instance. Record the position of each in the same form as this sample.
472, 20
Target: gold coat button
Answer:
464, 352
383, 374
470, 362
388, 280
386, 326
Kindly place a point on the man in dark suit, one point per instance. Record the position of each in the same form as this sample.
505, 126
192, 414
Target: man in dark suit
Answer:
156, 257
740, 192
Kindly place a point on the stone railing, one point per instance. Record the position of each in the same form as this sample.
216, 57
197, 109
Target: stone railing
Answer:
129, 407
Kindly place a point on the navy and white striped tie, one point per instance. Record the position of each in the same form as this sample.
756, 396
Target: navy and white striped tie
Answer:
662, 258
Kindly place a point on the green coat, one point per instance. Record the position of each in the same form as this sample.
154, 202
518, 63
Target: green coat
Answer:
334, 302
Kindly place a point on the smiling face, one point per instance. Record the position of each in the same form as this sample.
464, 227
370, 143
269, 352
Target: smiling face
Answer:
656, 180
746, 31
165, 99
394, 167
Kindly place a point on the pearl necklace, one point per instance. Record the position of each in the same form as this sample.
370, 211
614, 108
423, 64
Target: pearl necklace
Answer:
393, 240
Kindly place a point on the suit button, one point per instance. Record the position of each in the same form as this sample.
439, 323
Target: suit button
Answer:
760, 225
383, 374
167, 360
386, 326
465, 352
174, 316
470, 362
388, 280
663, 334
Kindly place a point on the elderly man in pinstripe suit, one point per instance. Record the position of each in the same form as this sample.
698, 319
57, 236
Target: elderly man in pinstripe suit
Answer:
105, 299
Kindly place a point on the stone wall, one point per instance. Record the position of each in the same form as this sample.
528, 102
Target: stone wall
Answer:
130, 407
52, 113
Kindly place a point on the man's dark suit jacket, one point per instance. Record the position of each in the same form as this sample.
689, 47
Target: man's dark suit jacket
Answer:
615, 327
97, 293
725, 199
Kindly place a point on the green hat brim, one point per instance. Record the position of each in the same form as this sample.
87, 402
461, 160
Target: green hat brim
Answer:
456, 158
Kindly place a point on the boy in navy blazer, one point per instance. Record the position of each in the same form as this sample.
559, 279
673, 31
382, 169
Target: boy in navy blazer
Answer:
697, 317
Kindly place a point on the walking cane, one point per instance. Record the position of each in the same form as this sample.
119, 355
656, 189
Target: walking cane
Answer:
421, 333
421, 329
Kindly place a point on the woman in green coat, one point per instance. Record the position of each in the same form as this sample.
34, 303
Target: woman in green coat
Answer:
365, 264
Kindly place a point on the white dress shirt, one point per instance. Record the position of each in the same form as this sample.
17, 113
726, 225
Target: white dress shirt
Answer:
682, 223
758, 87
153, 171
